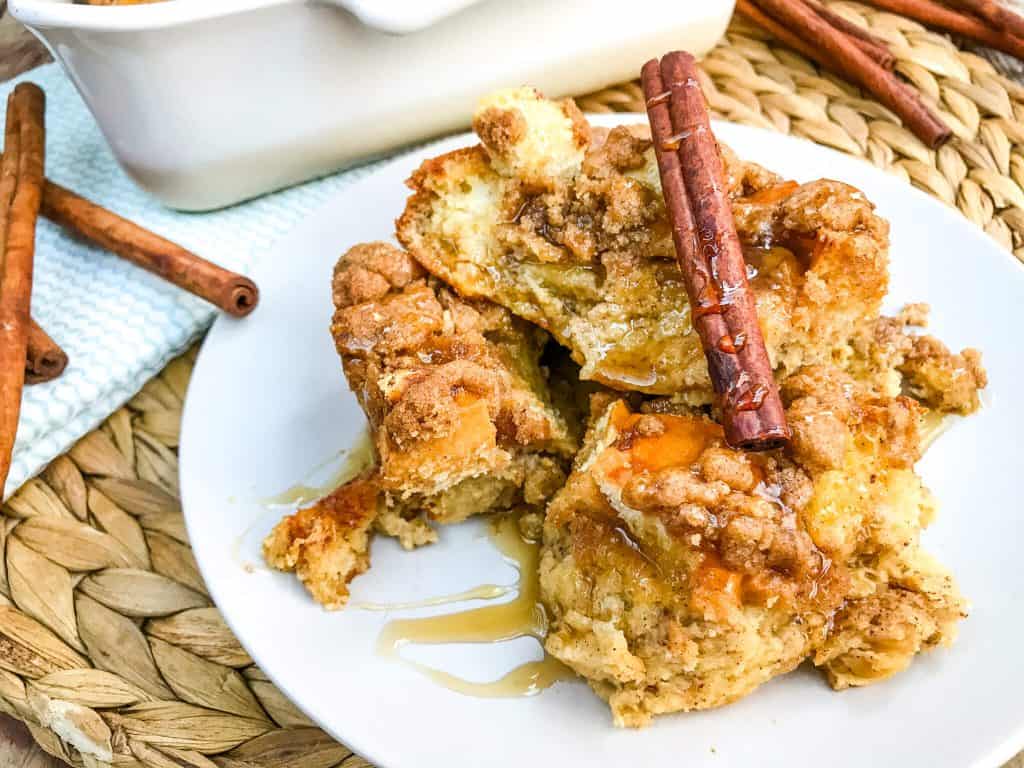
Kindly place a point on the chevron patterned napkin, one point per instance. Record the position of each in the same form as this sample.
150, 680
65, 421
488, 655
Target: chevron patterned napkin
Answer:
118, 324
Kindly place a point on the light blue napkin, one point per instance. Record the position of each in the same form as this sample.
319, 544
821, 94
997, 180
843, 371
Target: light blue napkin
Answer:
118, 324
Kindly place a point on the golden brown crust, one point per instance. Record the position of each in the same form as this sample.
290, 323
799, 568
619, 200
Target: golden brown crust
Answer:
453, 389
327, 544
948, 382
499, 129
370, 271
587, 253
460, 411
876, 637
927, 370
680, 574
580, 125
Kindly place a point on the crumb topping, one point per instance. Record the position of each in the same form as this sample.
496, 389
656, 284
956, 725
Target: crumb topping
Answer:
587, 254
453, 389
676, 573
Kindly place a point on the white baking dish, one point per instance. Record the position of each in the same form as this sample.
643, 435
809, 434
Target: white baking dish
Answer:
208, 102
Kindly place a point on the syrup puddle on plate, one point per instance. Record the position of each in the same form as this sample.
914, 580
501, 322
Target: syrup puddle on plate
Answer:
327, 476
521, 617
481, 592
933, 425
324, 478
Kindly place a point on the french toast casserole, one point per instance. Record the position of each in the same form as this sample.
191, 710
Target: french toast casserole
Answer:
530, 348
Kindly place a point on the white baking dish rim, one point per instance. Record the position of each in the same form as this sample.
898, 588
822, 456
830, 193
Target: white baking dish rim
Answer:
393, 16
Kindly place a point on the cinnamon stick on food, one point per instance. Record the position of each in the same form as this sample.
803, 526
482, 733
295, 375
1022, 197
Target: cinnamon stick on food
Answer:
937, 16
44, 360
710, 258
995, 13
233, 293
832, 47
24, 141
873, 46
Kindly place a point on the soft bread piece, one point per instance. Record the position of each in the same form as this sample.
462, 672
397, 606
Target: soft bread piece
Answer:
327, 544
679, 574
565, 226
460, 409
453, 389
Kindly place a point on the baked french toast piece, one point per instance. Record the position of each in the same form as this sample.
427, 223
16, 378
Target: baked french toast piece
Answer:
566, 227
679, 574
463, 417
458, 402
328, 544
867, 510
893, 356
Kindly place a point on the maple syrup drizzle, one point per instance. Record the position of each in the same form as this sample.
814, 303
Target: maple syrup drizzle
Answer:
661, 98
750, 399
732, 344
709, 308
353, 461
519, 213
522, 617
933, 424
481, 592
673, 142
525, 680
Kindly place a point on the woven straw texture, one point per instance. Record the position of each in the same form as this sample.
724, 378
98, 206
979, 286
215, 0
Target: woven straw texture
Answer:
110, 649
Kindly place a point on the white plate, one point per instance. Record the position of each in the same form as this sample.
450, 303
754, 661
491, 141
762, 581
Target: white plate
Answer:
268, 402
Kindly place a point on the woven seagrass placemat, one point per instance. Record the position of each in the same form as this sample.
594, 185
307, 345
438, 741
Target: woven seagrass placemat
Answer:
110, 649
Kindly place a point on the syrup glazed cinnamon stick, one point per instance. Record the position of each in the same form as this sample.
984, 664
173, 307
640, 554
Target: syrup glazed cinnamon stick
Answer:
233, 293
24, 140
710, 257
45, 360
834, 50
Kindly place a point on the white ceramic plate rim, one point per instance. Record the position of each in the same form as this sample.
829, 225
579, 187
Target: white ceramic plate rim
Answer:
836, 164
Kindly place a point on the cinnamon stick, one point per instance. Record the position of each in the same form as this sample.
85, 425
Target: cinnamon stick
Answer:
24, 142
998, 16
44, 360
781, 33
832, 47
710, 257
873, 46
937, 16
233, 293
792, 40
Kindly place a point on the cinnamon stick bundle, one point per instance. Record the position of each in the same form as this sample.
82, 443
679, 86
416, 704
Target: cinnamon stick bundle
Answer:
233, 293
833, 49
24, 141
710, 257
44, 360
937, 16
